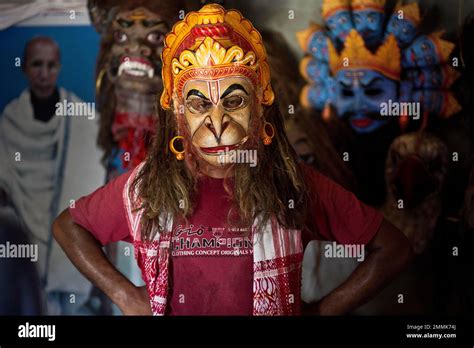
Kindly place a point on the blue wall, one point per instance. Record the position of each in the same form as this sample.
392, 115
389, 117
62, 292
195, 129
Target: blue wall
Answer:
79, 47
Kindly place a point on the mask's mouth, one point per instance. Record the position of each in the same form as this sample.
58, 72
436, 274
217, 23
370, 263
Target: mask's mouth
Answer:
362, 122
135, 66
218, 150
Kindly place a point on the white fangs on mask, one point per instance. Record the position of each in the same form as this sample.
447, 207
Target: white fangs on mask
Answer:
134, 68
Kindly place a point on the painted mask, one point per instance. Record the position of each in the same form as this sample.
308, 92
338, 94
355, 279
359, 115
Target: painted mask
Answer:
359, 94
427, 51
437, 77
138, 40
337, 15
315, 70
340, 24
215, 70
370, 24
218, 115
318, 47
403, 23
364, 80
403, 29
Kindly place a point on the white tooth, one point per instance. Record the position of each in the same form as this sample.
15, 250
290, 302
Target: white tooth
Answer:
151, 73
120, 70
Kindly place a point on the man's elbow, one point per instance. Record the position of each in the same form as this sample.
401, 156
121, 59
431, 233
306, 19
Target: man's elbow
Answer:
58, 224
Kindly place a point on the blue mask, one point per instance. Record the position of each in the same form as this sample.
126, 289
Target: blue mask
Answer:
369, 23
318, 46
317, 71
403, 30
340, 24
359, 94
320, 95
421, 53
426, 78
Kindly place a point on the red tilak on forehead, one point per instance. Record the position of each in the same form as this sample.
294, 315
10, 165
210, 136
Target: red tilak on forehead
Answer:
214, 91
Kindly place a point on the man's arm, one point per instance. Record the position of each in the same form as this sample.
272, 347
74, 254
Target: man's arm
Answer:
85, 252
388, 253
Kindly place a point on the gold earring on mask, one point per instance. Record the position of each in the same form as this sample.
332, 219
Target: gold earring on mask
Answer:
268, 132
179, 154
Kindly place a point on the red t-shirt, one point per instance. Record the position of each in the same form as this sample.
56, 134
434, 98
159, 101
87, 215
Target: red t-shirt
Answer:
212, 263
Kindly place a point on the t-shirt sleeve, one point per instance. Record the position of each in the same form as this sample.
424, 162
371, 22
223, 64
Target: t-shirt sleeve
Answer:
102, 212
336, 214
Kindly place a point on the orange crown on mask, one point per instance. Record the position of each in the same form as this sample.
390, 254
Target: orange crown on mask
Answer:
355, 55
213, 43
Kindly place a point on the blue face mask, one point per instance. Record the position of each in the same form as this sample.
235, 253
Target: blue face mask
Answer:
369, 24
321, 94
426, 78
421, 53
359, 95
318, 46
403, 30
340, 24
318, 71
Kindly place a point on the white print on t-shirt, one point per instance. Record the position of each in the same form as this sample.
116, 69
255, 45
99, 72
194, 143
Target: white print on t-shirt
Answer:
206, 241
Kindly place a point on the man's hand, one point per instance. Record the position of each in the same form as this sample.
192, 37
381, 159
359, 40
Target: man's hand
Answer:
388, 254
136, 303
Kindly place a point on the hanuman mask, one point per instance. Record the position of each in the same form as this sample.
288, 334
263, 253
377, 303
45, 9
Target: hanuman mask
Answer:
216, 78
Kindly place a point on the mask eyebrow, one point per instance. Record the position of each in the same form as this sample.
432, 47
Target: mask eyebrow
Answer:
196, 93
232, 88
124, 23
148, 23
368, 83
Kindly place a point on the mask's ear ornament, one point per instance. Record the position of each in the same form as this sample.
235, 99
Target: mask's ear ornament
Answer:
268, 132
178, 153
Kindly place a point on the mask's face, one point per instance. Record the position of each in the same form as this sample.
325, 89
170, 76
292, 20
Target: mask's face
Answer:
218, 115
318, 46
340, 24
421, 53
317, 71
359, 94
369, 23
319, 95
427, 78
135, 63
403, 29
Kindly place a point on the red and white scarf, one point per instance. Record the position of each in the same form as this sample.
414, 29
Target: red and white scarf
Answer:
277, 261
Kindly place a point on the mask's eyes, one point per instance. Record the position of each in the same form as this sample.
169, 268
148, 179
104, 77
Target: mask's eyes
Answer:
234, 102
198, 105
155, 38
120, 37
